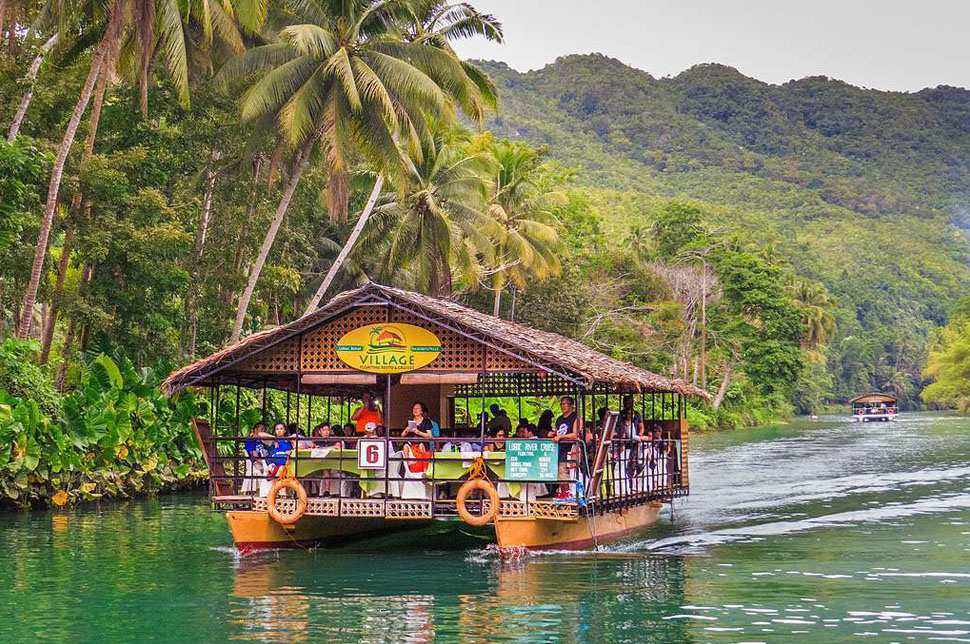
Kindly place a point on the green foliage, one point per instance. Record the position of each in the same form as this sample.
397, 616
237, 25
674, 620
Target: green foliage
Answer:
21, 377
948, 364
862, 192
114, 435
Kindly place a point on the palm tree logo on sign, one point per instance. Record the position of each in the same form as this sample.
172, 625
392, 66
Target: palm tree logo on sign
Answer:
383, 339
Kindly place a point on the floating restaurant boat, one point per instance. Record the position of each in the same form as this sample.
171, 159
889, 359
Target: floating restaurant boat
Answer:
874, 407
402, 347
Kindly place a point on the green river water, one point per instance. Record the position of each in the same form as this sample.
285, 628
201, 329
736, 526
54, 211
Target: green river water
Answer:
813, 532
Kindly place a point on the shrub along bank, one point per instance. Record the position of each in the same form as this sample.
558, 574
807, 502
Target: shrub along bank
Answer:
114, 436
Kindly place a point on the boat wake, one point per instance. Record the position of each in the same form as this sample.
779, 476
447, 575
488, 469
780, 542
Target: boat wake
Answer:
694, 543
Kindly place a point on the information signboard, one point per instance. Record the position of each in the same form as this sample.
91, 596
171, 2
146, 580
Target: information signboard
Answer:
531, 460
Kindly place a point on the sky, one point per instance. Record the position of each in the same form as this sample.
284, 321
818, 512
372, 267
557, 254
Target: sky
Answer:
884, 44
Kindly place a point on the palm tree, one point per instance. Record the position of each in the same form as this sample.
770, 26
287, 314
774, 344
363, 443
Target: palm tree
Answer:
529, 245
639, 239
347, 76
433, 23
145, 26
441, 224
816, 304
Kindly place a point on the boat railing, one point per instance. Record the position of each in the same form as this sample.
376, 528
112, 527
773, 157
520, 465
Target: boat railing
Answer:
636, 471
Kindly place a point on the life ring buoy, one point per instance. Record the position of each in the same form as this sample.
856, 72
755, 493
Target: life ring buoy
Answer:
467, 488
301, 501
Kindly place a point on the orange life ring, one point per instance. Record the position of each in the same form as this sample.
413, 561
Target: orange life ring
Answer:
467, 488
273, 511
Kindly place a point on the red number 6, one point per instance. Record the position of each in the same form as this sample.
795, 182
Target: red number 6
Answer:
372, 454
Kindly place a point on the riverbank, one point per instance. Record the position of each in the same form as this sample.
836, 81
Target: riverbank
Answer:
114, 436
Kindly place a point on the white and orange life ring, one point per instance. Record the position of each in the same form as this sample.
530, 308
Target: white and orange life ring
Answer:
301, 501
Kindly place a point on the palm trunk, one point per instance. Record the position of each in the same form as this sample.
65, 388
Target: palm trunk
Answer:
348, 246
12, 34
65, 355
497, 302
62, 267
70, 230
29, 94
191, 308
226, 296
86, 274
725, 382
704, 326
299, 165
57, 172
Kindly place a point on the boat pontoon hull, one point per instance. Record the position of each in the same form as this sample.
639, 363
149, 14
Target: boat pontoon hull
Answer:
255, 530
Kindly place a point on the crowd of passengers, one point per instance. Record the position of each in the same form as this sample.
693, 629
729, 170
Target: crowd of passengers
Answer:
636, 450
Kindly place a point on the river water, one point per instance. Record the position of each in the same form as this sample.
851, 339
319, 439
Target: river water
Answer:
813, 532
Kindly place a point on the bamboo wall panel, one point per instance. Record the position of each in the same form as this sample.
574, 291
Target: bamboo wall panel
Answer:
319, 344
284, 357
458, 353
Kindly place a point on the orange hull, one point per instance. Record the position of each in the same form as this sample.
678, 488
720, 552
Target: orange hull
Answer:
256, 531
585, 532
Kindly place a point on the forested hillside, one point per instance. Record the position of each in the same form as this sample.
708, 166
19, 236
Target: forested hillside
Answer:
862, 190
174, 181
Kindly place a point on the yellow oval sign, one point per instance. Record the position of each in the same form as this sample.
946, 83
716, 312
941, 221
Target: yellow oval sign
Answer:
388, 348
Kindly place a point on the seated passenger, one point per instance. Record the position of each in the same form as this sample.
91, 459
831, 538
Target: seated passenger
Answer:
330, 485
421, 423
544, 426
256, 467
523, 424
469, 441
497, 444
280, 449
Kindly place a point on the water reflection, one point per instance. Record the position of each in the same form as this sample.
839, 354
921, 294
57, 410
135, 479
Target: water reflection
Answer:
555, 598
824, 531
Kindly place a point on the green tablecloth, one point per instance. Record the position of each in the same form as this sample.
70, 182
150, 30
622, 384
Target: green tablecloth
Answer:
446, 465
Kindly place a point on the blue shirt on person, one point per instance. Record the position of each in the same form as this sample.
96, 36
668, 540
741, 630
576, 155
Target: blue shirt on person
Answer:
280, 448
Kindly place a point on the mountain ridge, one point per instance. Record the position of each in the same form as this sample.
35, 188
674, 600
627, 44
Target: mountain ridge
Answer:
864, 190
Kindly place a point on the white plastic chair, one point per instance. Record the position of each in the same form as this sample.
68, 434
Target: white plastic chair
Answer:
413, 486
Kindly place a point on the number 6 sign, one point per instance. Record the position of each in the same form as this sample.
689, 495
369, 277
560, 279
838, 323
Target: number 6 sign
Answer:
371, 454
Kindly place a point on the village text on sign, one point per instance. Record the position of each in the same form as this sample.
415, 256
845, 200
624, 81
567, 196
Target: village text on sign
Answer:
388, 348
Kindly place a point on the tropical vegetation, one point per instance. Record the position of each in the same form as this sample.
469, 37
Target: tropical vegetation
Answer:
243, 161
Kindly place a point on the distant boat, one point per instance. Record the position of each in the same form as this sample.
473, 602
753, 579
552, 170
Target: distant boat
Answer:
875, 407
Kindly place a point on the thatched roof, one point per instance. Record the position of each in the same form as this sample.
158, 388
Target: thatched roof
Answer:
546, 350
874, 397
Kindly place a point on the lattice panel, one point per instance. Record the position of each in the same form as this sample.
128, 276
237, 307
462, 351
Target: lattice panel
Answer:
321, 507
512, 510
319, 344
458, 353
497, 361
553, 510
514, 384
408, 510
283, 357
361, 508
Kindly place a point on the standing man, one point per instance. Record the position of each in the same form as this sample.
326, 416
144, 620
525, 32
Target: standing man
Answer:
500, 421
368, 413
568, 427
